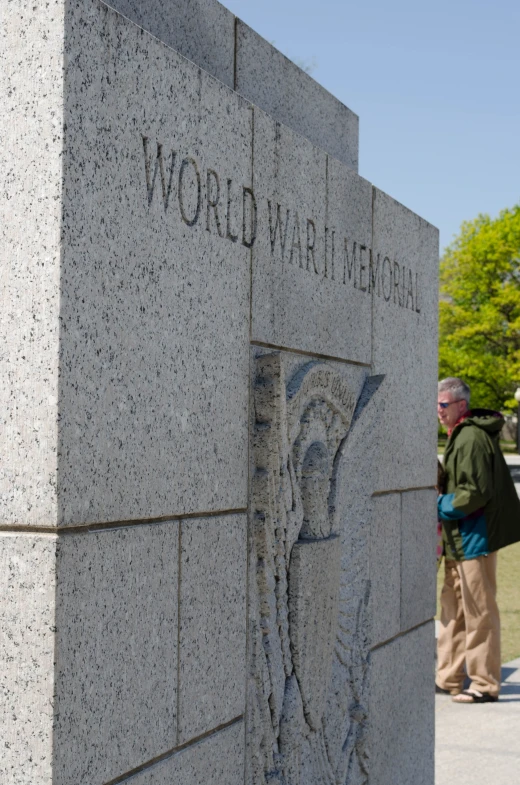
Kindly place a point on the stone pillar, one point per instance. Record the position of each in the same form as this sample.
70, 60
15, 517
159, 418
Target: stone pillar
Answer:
217, 352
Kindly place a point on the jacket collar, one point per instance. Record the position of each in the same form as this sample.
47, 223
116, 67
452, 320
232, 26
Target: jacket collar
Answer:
462, 417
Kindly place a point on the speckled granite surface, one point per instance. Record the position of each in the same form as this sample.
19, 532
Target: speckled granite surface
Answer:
207, 319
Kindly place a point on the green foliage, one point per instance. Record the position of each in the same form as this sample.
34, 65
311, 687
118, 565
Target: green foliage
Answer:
480, 309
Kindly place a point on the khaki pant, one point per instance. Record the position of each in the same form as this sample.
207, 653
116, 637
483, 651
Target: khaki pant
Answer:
470, 626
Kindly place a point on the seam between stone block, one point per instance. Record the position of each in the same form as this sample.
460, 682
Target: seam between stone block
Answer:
310, 354
174, 751
55, 670
251, 249
403, 490
178, 692
84, 528
402, 634
327, 207
372, 304
235, 54
401, 561
28, 531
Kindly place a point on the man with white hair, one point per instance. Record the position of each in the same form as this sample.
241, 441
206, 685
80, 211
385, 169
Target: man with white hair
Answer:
480, 514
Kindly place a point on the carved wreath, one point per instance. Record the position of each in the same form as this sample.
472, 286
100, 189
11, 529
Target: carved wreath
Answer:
296, 607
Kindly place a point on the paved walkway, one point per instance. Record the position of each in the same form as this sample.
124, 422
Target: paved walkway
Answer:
480, 744
513, 461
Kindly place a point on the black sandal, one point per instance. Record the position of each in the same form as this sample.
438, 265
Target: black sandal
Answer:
474, 696
442, 691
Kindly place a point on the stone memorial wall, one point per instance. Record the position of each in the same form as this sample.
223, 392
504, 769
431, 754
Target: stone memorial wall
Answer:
218, 364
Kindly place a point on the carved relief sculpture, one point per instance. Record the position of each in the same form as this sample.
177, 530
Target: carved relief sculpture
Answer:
296, 631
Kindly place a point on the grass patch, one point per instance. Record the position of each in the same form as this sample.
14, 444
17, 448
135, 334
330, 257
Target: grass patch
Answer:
508, 599
507, 446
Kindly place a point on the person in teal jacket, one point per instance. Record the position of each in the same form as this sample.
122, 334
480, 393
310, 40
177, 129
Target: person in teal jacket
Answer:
480, 513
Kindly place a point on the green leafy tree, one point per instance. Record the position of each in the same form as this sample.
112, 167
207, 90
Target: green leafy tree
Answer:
480, 309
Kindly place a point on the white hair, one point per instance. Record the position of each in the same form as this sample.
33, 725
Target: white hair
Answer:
456, 387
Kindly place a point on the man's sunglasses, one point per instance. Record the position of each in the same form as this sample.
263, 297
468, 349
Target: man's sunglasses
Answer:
445, 405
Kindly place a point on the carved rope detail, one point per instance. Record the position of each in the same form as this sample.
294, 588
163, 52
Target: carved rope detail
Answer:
295, 618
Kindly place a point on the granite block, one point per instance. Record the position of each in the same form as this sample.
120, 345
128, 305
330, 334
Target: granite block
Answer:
349, 237
401, 728
201, 30
212, 623
116, 644
356, 481
31, 83
355, 484
299, 298
405, 258
418, 557
154, 284
385, 568
217, 759
271, 81
27, 623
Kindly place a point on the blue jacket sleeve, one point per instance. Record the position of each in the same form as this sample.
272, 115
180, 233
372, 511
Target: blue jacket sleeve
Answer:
445, 509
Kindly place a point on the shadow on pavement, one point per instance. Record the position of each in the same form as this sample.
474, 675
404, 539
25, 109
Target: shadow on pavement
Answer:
510, 690
515, 473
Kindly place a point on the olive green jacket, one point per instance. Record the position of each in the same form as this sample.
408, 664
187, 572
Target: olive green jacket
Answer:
480, 510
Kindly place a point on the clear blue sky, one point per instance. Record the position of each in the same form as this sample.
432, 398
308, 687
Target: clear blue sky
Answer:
436, 87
